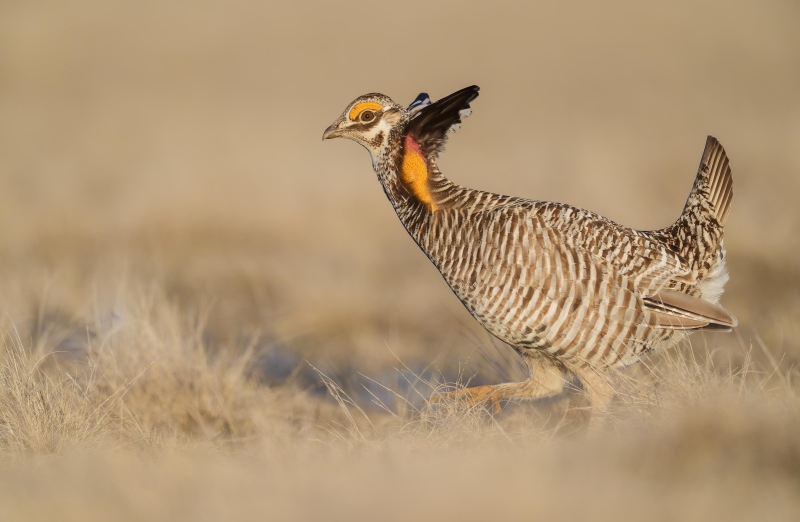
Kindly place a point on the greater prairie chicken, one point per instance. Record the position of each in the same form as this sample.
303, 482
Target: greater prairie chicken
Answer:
573, 292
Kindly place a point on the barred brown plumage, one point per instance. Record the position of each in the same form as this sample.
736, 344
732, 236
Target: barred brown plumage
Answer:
573, 292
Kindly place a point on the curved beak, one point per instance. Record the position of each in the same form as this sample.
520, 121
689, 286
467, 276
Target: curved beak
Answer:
332, 132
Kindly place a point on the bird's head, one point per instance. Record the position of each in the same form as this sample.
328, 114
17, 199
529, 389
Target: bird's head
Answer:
377, 122
368, 120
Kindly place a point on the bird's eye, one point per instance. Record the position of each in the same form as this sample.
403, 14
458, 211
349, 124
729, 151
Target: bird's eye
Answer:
367, 116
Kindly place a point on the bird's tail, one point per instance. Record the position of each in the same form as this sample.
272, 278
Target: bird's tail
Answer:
713, 187
698, 230
697, 234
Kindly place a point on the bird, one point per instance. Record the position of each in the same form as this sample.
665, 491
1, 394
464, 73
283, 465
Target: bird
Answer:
574, 293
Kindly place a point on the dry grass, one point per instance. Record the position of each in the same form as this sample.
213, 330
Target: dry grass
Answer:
209, 315
151, 426
43, 413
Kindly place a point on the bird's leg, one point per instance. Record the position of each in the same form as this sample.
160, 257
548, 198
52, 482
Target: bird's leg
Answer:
600, 392
546, 379
473, 396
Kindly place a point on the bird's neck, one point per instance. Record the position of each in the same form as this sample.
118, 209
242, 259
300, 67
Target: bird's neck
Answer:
415, 187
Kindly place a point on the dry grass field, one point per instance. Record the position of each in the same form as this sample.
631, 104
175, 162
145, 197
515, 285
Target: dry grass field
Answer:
209, 314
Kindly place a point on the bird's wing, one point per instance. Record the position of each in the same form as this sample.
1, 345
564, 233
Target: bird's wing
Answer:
645, 260
650, 266
677, 310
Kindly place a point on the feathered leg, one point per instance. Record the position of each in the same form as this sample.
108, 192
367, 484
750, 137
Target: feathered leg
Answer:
547, 378
600, 392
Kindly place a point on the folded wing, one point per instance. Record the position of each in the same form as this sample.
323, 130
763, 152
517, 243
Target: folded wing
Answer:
676, 310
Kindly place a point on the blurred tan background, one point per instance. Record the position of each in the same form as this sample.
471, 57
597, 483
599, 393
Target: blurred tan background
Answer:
177, 145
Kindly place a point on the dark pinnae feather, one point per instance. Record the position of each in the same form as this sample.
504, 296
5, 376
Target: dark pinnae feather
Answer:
422, 100
430, 124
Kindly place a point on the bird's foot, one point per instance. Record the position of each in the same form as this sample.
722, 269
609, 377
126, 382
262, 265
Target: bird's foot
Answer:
475, 396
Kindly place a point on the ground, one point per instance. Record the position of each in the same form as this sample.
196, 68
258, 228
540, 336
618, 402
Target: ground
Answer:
208, 313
